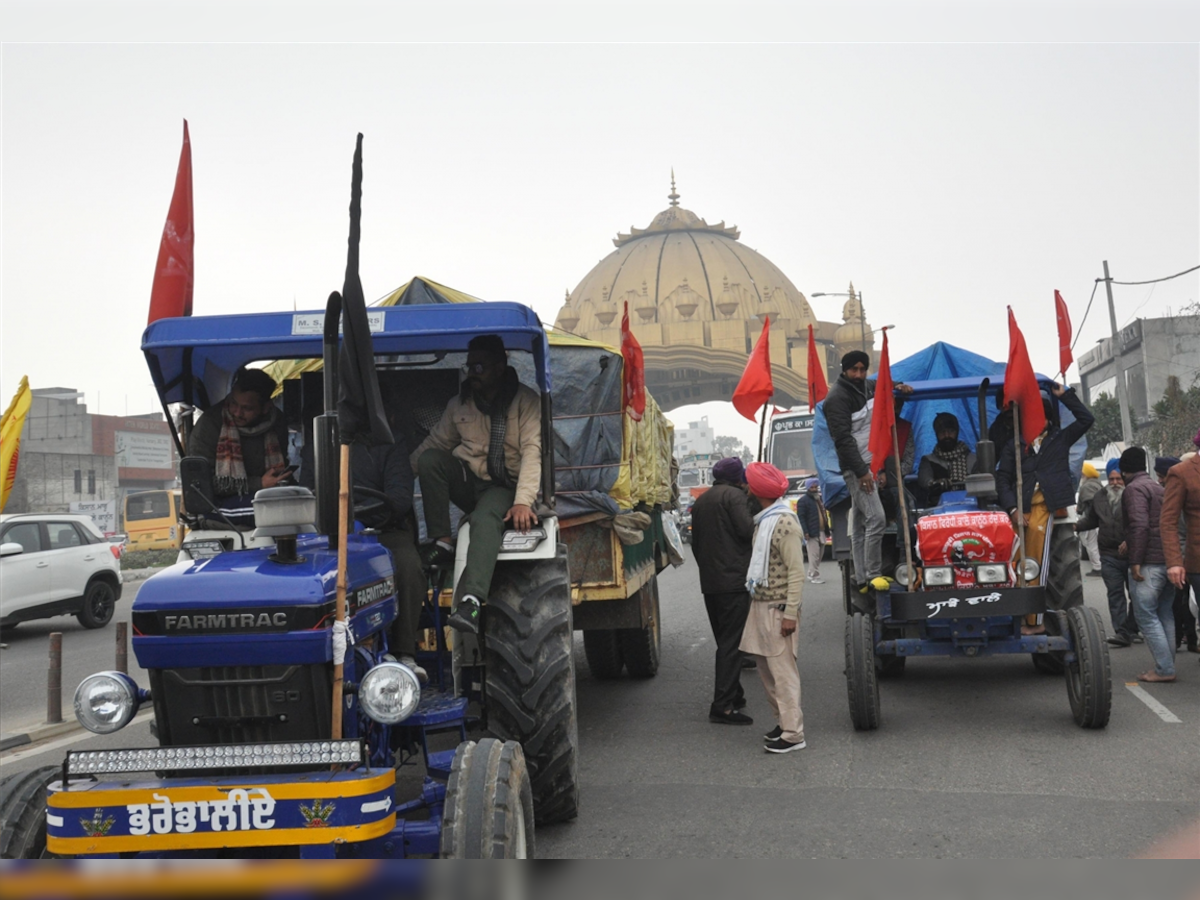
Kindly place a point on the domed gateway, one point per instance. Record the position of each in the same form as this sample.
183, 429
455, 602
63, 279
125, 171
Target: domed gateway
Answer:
697, 299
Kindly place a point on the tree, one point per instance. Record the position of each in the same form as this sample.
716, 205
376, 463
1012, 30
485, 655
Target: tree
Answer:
1176, 417
1107, 429
727, 445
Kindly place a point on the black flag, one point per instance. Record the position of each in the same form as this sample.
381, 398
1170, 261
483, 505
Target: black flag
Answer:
359, 405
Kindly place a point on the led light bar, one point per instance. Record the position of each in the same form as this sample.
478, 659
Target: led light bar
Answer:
214, 756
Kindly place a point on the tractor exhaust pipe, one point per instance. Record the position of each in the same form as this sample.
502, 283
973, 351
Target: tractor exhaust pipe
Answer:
985, 450
326, 459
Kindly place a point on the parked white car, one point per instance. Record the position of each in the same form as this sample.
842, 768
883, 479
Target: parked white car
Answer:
56, 564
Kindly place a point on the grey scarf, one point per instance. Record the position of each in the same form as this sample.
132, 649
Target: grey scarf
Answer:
497, 410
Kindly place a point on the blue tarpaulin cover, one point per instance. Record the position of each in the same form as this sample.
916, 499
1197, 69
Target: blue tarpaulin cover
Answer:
944, 378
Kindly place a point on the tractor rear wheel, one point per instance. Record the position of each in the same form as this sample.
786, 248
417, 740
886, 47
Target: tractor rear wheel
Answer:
862, 686
1089, 678
641, 647
488, 812
23, 813
530, 679
602, 648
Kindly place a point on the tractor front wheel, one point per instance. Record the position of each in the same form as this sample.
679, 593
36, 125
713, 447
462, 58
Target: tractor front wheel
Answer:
23, 813
1089, 677
862, 685
488, 813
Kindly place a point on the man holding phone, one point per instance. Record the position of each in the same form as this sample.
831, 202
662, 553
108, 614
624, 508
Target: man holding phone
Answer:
245, 438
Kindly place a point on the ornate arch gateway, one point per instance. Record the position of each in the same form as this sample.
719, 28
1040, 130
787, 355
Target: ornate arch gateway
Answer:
697, 299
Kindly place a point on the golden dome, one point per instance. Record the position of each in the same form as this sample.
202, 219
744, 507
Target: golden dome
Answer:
681, 269
854, 333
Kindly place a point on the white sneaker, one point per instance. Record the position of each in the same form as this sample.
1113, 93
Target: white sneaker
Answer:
817, 579
417, 669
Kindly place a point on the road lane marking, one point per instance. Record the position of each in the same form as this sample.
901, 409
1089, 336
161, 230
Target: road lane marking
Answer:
83, 734
1157, 708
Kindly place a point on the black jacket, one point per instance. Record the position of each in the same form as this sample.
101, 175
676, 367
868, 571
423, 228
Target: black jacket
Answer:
935, 468
1098, 513
808, 511
207, 433
1050, 467
722, 537
845, 398
385, 468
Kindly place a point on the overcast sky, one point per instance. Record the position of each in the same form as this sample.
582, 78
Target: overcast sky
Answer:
944, 180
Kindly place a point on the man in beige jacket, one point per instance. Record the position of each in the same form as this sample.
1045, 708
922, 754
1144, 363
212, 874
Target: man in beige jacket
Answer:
485, 454
775, 580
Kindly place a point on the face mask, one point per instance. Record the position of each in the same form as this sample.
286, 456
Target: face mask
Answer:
947, 444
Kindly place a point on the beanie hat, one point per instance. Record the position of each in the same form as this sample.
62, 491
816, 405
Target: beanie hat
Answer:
1133, 460
1089, 471
766, 481
1163, 463
730, 469
1113, 465
853, 358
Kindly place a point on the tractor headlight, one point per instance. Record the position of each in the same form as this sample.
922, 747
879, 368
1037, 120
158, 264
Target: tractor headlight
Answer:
1031, 569
939, 576
991, 574
106, 702
903, 575
389, 693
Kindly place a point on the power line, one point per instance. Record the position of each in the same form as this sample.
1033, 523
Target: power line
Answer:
1079, 330
1154, 280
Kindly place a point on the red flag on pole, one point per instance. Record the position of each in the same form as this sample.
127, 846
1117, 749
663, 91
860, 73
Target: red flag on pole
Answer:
171, 294
818, 387
1020, 384
1065, 356
635, 370
883, 413
756, 387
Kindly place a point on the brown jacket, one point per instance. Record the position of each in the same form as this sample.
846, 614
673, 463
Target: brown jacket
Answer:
466, 432
1182, 498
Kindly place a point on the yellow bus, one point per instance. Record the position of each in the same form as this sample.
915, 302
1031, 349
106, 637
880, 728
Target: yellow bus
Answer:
152, 520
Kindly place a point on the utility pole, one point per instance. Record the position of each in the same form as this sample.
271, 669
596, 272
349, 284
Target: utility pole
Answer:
1122, 390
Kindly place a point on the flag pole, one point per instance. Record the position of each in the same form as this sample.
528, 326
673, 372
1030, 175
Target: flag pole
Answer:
1020, 497
762, 429
340, 609
903, 505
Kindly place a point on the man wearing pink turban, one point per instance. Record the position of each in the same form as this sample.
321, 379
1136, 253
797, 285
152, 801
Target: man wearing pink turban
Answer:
774, 580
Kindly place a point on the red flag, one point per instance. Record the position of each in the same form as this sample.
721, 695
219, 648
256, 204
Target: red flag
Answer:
635, 371
1020, 384
1065, 356
171, 294
883, 413
756, 387
818, 387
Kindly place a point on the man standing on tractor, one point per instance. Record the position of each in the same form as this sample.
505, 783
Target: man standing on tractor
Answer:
245, 438
1047, 485
485, 455
848, 414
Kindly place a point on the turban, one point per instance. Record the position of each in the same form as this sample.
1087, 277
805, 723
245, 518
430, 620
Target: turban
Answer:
853, 358
1163, 463
766, 481
1089, 471
730, 469
812, 484
1113, 465
1133, 460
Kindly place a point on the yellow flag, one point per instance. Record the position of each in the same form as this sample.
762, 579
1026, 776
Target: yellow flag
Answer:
10, 438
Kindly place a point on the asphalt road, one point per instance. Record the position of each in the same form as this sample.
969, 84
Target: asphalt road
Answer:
975, 758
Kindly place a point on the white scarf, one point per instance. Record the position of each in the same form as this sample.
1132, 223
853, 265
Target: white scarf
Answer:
760, 556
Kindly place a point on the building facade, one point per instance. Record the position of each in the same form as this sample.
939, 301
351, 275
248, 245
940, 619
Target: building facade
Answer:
1150, 351
69, 455
697, 438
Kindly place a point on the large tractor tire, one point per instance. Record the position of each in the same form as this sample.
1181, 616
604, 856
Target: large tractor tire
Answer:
602, 648
1064, 581
641, 647
1089, 678
23, 813
489, 803
862, 686
531, 677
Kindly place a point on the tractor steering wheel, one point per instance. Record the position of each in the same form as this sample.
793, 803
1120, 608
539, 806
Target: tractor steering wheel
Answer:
376, 502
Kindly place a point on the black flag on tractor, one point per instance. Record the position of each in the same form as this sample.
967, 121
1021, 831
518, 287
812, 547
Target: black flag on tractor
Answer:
359, 405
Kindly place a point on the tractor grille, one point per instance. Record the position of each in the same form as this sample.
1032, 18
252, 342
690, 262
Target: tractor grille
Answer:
241, 704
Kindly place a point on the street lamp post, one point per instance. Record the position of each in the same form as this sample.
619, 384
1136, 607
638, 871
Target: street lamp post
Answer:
861, 312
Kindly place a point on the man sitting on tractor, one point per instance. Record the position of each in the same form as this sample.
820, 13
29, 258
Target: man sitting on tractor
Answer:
245, 438
1047, 486
485, 455
950, 462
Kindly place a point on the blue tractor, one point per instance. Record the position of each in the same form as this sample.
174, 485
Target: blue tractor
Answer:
238, 641
966, 590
